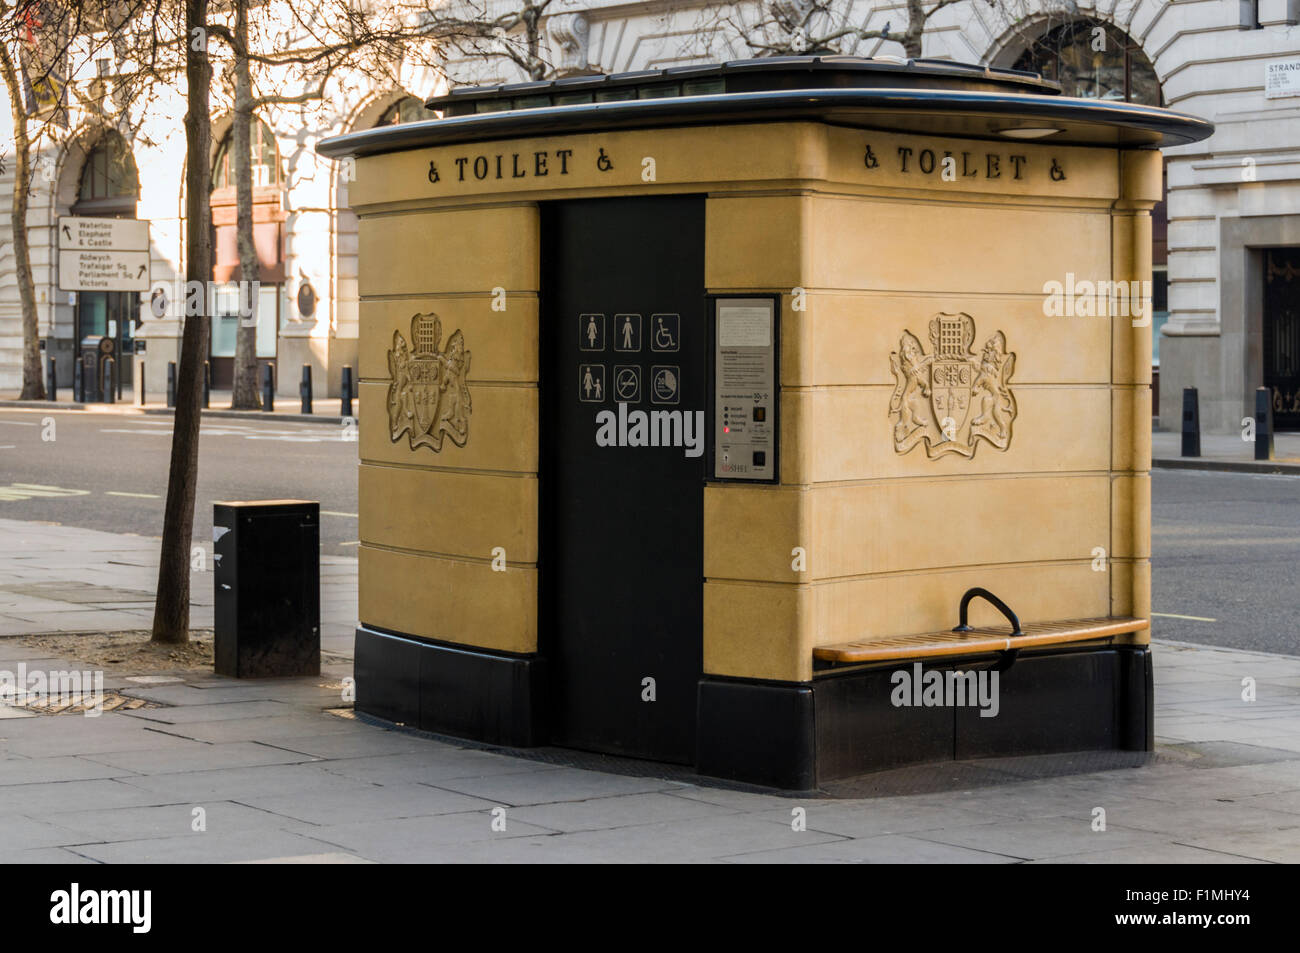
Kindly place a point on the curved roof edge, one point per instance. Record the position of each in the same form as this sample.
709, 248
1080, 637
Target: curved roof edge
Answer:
980, 114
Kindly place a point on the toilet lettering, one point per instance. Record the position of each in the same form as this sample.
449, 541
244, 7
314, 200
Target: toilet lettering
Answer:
515, 165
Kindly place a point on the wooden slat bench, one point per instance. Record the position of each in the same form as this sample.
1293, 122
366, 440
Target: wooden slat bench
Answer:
965, 640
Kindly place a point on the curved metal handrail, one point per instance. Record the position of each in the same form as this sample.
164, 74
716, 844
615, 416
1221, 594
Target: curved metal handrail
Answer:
995, 602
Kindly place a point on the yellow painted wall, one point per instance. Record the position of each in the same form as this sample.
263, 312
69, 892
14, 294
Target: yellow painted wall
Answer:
891, 540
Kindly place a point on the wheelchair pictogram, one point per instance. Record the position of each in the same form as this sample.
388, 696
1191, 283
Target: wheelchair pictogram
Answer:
665, 330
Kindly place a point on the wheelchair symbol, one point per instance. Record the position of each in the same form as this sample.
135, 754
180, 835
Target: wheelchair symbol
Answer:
665, 329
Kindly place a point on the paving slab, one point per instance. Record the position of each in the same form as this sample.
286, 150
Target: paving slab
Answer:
1150, 854
439, 764
210, 848
376, 802
54, 796
876, 817
194, 714
264, 730
17, 770
1041, 837
166, 821
344, 745
1280, 846
22, 833
629, 810
304, 780
688, 840
42, 855
198, 756
79, 735
549, 786
886, 849
408, 839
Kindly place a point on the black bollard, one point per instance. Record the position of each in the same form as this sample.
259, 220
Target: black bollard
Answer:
1191, 423
171, 383
304, 389
110, 393
89, 382
1263, 424
51, 380
207, 384
268, 388
78, 396
346, 390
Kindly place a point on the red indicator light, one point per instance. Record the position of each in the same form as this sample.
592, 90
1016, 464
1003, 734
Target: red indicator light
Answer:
726, 430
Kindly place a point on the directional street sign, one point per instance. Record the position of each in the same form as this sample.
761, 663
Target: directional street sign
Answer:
104, 270
111, 234
103, 254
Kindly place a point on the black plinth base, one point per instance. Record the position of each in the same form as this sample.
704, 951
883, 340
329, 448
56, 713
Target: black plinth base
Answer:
472, 693
799, 735
790, 735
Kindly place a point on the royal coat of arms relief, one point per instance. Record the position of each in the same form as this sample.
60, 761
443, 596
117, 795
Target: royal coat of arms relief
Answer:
428, 398
952, 398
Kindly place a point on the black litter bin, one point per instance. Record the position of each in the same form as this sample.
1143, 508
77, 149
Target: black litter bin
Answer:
267, 578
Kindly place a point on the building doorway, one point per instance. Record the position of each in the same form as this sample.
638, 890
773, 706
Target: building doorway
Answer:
106, 341
622, 603
1282, 335
106, 321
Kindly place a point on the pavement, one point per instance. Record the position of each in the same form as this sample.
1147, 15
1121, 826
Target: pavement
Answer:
1226, 452
222, 770
283, 408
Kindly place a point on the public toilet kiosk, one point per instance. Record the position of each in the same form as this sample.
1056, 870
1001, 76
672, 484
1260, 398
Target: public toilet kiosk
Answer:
788, 419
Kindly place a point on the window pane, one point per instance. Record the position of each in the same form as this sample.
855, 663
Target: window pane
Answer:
267, 323
407, 109
264, 164
1093, 60
225, 319
94, 313
261, 148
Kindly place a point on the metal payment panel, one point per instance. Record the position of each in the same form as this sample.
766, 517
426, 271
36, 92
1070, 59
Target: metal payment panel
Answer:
745, 395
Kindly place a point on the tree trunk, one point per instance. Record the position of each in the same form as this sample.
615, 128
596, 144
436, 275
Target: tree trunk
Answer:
33, 379
915, 27
171, 617
244, 393
533, 31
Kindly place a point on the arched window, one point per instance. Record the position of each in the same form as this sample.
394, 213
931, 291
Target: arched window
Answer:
1093, 60
406, 109
109, 183
266, 161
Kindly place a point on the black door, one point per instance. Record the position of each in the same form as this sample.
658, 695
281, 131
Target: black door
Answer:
623, 389
1282, 334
